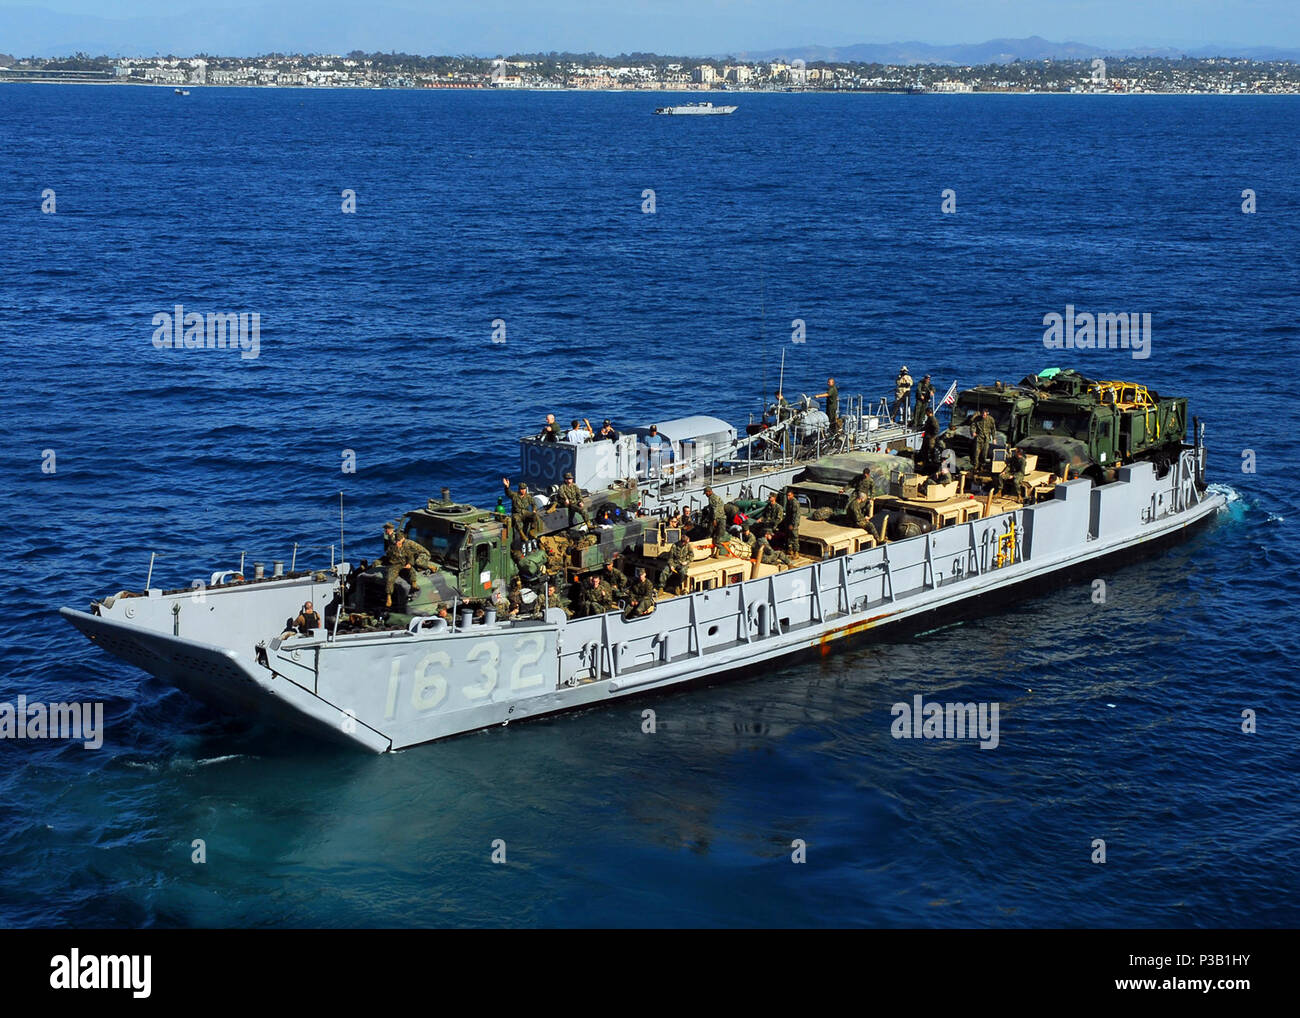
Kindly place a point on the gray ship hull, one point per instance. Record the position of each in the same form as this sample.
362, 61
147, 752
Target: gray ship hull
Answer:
395, 689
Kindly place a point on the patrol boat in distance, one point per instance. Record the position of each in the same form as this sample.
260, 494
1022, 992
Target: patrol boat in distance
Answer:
695, 110
1099, 471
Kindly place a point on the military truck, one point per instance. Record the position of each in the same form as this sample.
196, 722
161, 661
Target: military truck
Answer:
826, 488
475, 555
1075, 424
1090, 428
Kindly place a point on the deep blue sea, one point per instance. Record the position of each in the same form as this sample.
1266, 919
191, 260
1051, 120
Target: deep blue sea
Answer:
1120, 721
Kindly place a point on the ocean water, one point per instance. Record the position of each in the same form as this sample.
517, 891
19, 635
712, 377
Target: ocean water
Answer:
1120, 721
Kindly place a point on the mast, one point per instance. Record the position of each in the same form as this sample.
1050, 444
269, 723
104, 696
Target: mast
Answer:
762, 345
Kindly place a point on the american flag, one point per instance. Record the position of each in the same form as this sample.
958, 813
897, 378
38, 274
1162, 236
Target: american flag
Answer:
951, 397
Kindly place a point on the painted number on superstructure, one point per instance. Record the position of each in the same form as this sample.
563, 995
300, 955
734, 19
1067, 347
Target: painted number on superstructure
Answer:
546, 460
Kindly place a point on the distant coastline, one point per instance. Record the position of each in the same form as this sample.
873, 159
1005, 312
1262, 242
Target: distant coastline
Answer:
643, 91
660, 75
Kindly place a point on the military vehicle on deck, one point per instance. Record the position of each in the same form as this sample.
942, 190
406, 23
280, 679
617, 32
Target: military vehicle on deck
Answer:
630, 485
1077, 426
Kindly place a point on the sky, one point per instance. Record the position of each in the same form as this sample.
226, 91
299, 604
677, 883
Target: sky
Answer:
613, 26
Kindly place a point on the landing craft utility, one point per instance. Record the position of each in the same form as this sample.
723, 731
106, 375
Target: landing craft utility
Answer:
625, 562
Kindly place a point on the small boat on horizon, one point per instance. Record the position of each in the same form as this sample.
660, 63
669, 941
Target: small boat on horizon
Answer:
695, 109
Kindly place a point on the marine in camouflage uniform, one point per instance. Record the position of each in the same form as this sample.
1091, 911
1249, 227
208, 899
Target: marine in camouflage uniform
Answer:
790, 522
596, 598
982, 430
679, 561
924, 396
689, 524
860, 515
514, 606
764, 552
399, 557
614, 580
929, 441
554, 599
866, 484
771, 514
569, 496
1012, 477
640, 596
524, 513
717, 516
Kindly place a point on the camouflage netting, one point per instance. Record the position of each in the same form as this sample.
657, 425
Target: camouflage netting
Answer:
847, 468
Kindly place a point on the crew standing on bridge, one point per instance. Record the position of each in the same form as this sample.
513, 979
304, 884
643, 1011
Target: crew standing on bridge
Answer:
924, 395
577, 435
902, 389
654, 443
832, 397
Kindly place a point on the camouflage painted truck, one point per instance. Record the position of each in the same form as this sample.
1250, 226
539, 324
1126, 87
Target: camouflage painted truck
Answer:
389, 679
1076, 426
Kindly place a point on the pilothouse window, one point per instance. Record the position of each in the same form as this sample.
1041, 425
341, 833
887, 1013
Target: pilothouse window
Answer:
442, 546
